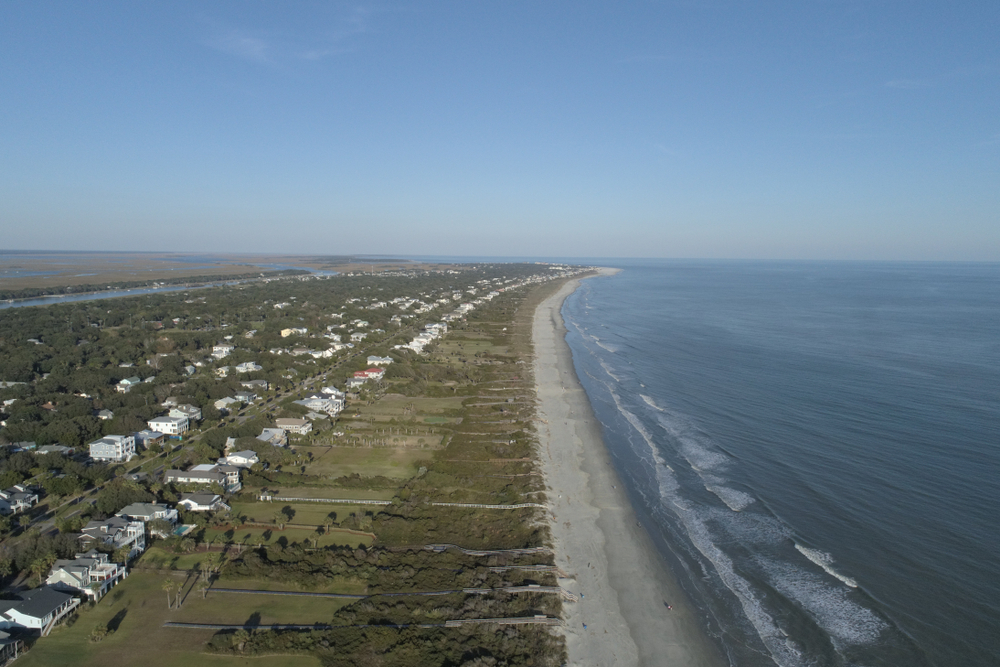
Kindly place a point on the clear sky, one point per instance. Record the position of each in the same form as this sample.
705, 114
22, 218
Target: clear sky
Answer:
759, 129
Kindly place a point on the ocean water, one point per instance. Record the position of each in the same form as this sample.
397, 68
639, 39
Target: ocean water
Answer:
814, 447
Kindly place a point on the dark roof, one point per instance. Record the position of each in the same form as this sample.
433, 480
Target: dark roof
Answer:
40, 602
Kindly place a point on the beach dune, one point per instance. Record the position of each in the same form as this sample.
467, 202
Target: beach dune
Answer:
623, 585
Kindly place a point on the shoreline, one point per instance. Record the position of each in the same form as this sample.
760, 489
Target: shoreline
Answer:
608, 559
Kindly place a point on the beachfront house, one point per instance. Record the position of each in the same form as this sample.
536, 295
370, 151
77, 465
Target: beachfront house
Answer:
146, 512
323, 403
91, 574
273, 436
37, 610
206, 474
296, 426
202, 502
244, 459
115, 532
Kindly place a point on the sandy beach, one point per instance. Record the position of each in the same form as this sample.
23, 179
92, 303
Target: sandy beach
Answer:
610, 562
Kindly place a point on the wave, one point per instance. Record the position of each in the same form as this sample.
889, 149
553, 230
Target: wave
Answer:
825, 561
737, 501
651, 403
846, 621
781, 648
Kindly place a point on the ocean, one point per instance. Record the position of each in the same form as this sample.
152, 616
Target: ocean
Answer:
814, 448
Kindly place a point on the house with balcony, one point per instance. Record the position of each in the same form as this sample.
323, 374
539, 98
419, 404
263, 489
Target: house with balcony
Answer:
296, 426
169, 425
274, 436
206, 474
202, 502
90, 574
223, 350
17, 499
115, 448
245, 459
188, 411
146, 512
116, 532
37, 610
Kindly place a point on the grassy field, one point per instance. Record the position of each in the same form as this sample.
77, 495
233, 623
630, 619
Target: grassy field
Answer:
304, 513
396, 463
254, 536
137, 608
329, 586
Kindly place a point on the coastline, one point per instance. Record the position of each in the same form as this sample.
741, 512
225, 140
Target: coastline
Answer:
606, 556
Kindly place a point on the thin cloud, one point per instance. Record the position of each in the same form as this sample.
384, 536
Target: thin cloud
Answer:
243, 45
908, 84
263, 48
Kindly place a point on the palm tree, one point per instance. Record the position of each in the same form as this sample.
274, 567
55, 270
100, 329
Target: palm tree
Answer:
168, 586
41, 566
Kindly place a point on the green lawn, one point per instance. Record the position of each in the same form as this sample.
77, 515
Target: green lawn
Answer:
254, 536
395, 463
305, 513
139, 607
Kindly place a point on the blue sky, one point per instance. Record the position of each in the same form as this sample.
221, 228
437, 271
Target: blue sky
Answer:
807, 129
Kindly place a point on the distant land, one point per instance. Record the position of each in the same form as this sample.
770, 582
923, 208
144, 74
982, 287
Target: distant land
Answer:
27, 274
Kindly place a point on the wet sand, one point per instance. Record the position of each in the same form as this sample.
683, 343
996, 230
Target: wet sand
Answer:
609, 560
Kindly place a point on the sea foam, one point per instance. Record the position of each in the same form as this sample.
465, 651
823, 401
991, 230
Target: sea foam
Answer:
825, 561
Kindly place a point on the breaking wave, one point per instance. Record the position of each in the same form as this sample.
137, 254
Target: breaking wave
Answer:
825, 561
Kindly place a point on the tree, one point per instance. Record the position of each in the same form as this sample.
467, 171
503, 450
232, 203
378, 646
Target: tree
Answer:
99, 632
240, 638
203, 587
41, 566
121, 554
169, 586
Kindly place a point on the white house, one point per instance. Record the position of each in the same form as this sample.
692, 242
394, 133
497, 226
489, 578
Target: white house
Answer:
17, 499
375, 360
322, 403
116, 532
273, 436
224, 403
169, 425
38, 610
297, 426
223, 350
202, 502
226, 476
147, 512
248, 367
245, 459
192, 413
113, 448
90, 574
